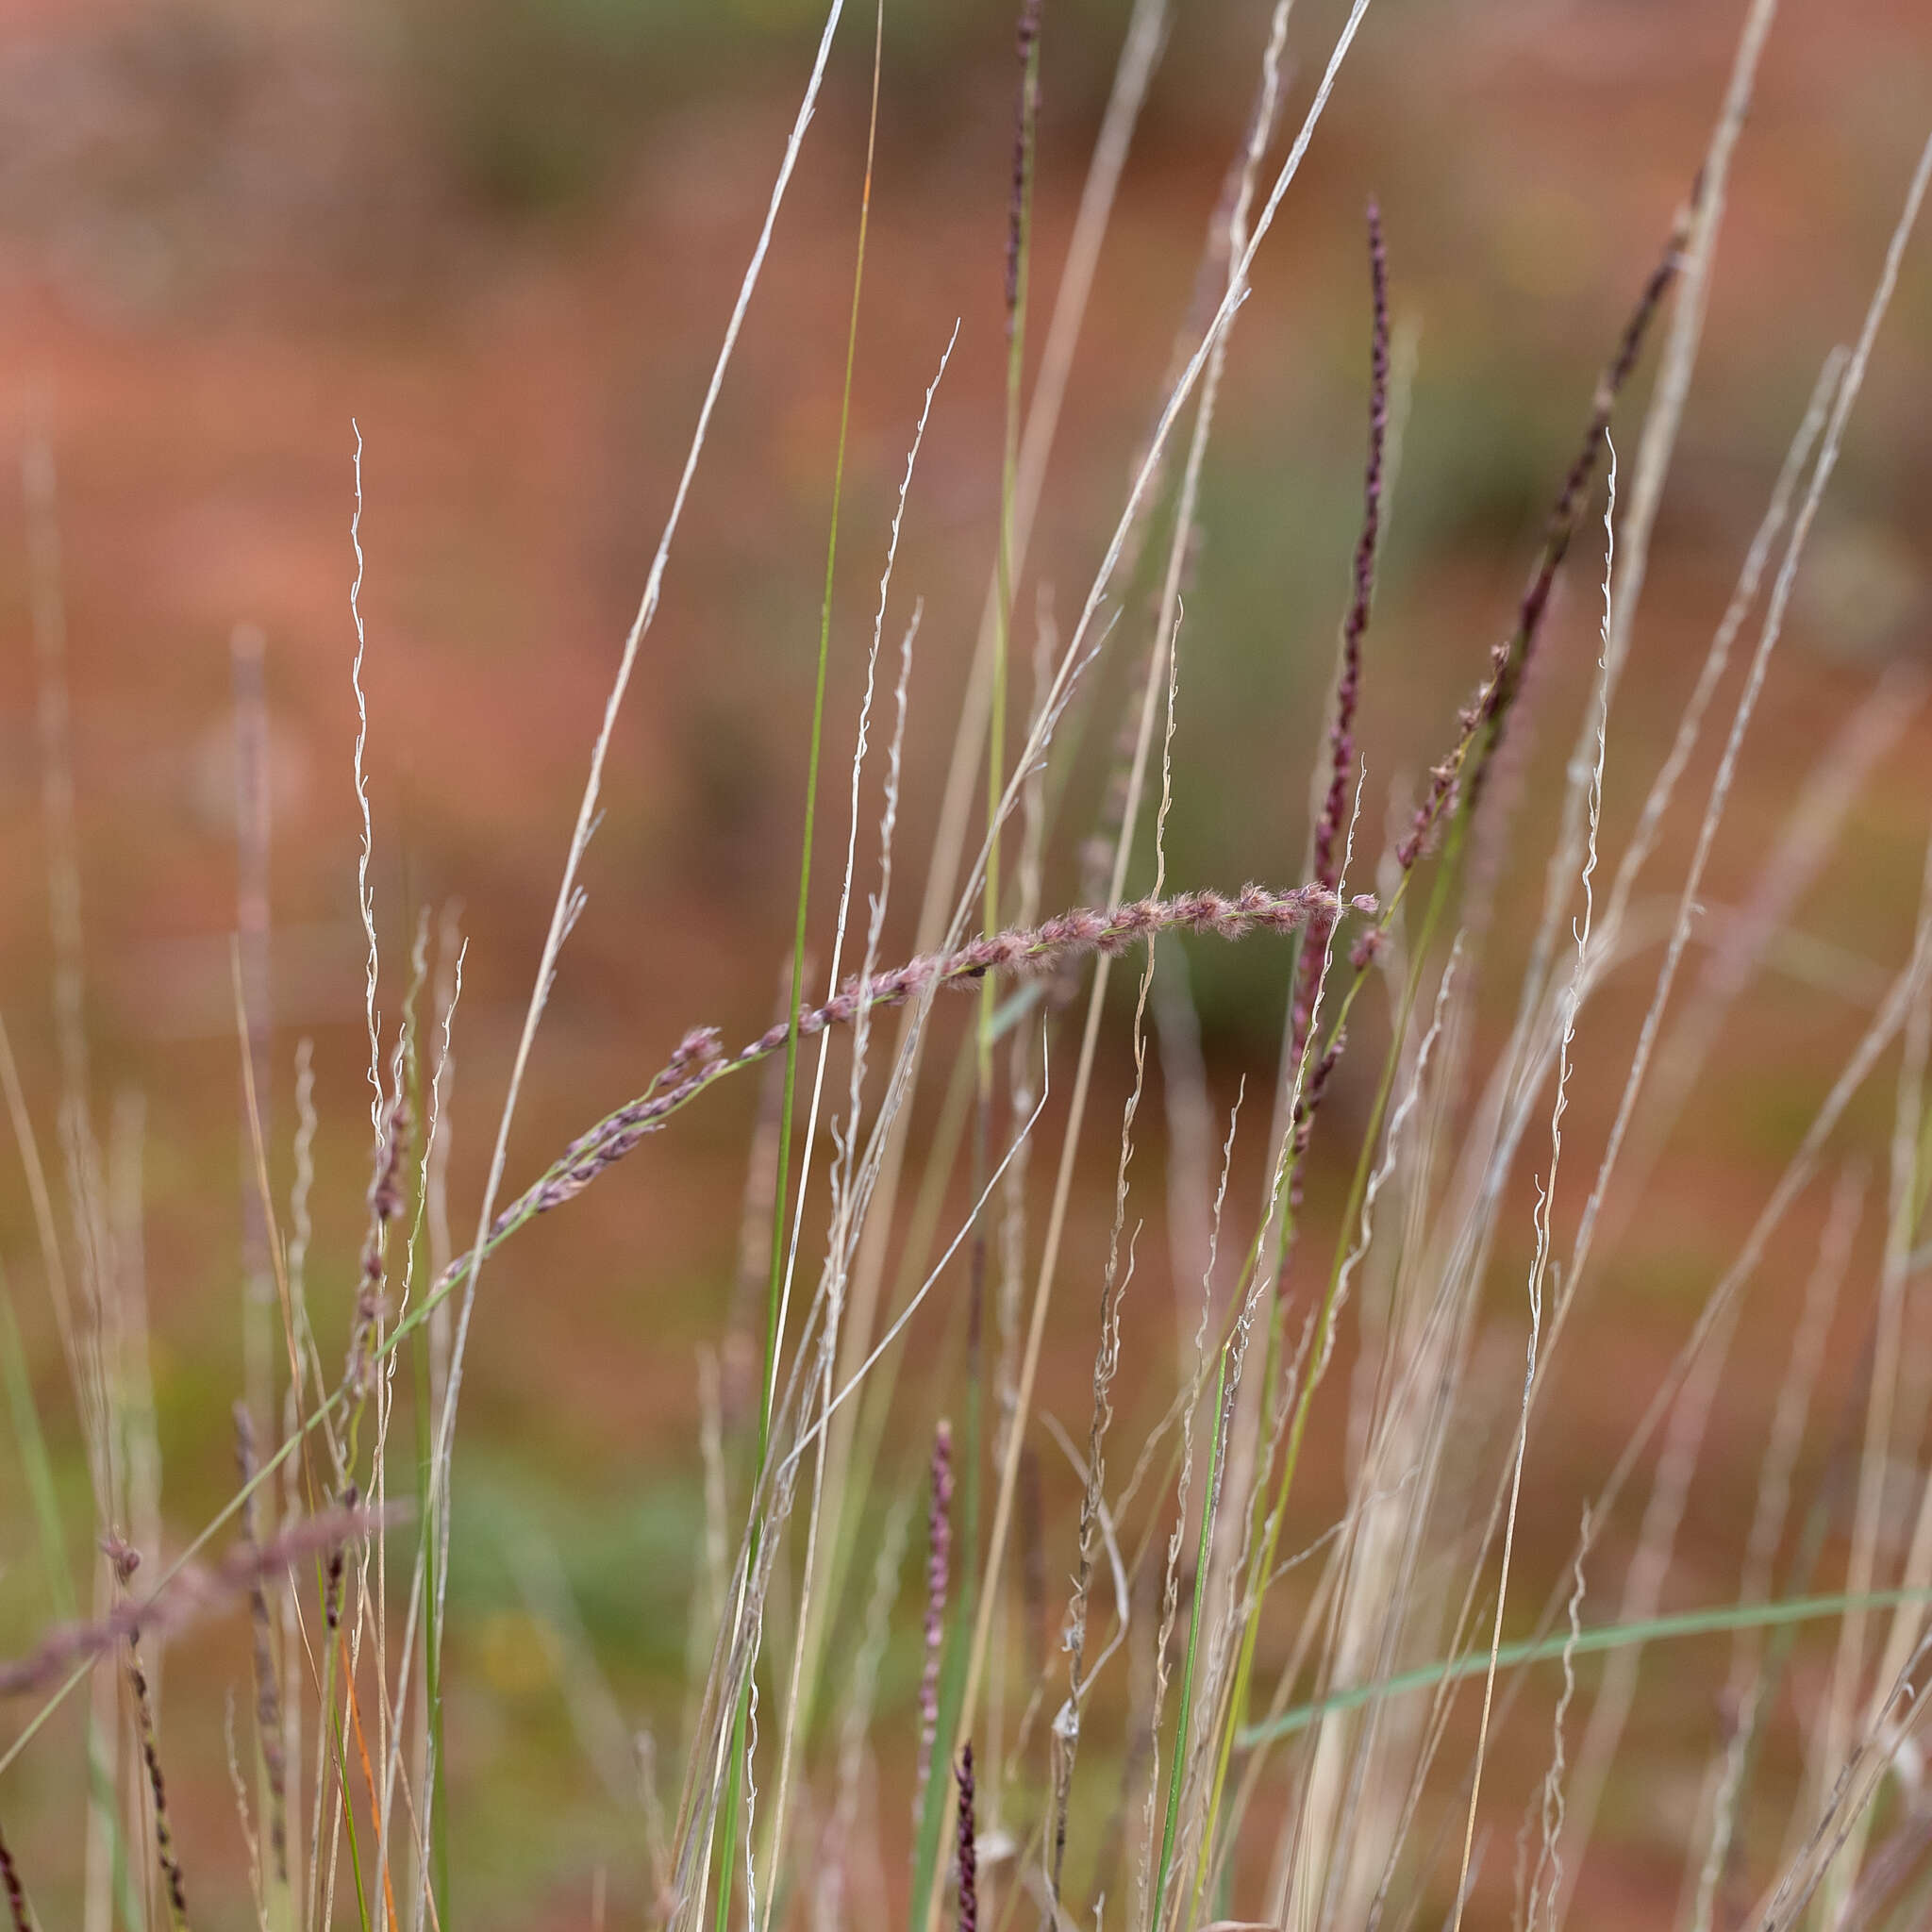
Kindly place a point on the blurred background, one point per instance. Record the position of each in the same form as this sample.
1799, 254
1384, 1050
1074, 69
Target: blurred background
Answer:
502, 236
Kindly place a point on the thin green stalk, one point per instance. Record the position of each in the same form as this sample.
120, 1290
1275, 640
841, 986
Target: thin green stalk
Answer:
35, 1461
432, 1675
432, 1592
332, 1737
349, 1818
727, 1836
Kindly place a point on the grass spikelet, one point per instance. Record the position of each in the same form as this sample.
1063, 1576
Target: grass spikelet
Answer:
124, 1560
939, 1564
268, 1714
966, 1848
1331, 824
16, 1892
183, 1597
165, 1853
1457, 781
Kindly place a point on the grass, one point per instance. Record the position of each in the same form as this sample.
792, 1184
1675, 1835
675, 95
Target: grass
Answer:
1286, 1565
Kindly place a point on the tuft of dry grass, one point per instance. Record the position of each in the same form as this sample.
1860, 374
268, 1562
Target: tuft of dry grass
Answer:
1252, 1702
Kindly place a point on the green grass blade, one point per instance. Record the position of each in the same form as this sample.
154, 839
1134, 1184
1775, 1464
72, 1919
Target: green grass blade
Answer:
34, 1460
1712, 1622
349, 1822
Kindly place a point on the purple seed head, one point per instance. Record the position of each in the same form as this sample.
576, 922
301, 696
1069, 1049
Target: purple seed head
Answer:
938, 1561
968, 1845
